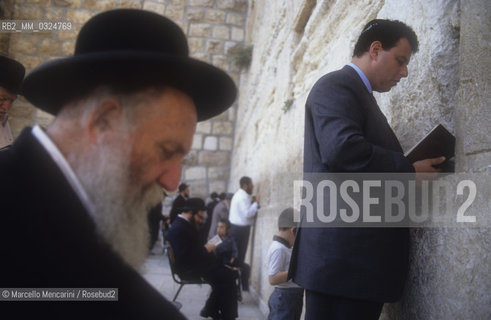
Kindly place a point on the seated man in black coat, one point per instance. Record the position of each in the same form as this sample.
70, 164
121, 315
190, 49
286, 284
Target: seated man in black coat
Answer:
194, 259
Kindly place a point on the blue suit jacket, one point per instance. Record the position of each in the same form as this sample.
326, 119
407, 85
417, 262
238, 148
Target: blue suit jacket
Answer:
345, 131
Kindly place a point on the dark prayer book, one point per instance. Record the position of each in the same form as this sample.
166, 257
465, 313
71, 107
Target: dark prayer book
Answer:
438, 142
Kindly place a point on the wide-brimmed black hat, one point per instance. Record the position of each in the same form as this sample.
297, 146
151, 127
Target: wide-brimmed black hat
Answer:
130, 49
194, 204
11, 74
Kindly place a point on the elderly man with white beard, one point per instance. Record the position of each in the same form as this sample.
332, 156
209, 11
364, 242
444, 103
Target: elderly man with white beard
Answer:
74, 212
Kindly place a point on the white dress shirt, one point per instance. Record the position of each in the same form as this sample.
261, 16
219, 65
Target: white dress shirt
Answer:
5, 135
242, 212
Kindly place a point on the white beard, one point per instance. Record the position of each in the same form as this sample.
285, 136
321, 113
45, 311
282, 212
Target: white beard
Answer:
120, 207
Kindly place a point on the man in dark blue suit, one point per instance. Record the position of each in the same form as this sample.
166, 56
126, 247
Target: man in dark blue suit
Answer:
348, 273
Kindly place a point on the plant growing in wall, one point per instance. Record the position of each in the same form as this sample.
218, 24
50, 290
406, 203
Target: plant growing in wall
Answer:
287, 105
242, 55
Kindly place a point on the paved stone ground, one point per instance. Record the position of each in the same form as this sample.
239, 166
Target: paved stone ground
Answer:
192, 297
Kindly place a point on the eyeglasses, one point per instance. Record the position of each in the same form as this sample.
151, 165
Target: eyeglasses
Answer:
4, 98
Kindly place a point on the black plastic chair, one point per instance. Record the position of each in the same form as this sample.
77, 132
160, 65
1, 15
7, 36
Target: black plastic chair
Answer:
175, 276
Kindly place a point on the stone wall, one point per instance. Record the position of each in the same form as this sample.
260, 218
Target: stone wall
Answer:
295, 43
213, 28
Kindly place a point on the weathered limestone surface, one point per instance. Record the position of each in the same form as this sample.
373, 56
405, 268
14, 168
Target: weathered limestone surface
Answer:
295, 43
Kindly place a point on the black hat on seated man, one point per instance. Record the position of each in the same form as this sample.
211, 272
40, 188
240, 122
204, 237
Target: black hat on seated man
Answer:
130, 49
11, 74
183, 187
194, 204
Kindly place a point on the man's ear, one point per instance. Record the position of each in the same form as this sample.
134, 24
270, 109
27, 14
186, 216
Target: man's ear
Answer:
375, 49
105, 117
293, 230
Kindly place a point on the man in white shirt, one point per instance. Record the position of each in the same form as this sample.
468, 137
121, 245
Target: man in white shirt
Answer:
126, 106
11, 75
243, 209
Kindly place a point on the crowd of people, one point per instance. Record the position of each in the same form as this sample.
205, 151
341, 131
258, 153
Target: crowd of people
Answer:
125, 109
205, 244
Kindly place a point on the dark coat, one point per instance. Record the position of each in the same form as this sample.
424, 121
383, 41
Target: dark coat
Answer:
47, 239
192, 259
345, 131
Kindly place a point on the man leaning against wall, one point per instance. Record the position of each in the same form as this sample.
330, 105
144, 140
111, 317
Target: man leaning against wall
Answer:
349, 273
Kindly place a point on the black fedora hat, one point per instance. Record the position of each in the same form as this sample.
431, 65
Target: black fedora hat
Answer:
11, 74
194, 204
131, 49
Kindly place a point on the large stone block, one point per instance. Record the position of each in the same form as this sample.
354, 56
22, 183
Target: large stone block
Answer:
55, 14
98, 5
154, 7
38, 2
177, 2
237, 34
191, 159
215, 16
25, 12
215, 46
202, 3
29, 62
196, 44
222, 128
67, 3
237, 19
221, 32
199, 30
129, 4
474, 94
198, 188
23, 45
195, 14
78, 16
67, 47
214, 158
49, 47
203, 56
211, 143
217, 186
240, 5
225, 143
203, 127
197, 142
221, 117
195, 173
220, 61
218, 173
174, 12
